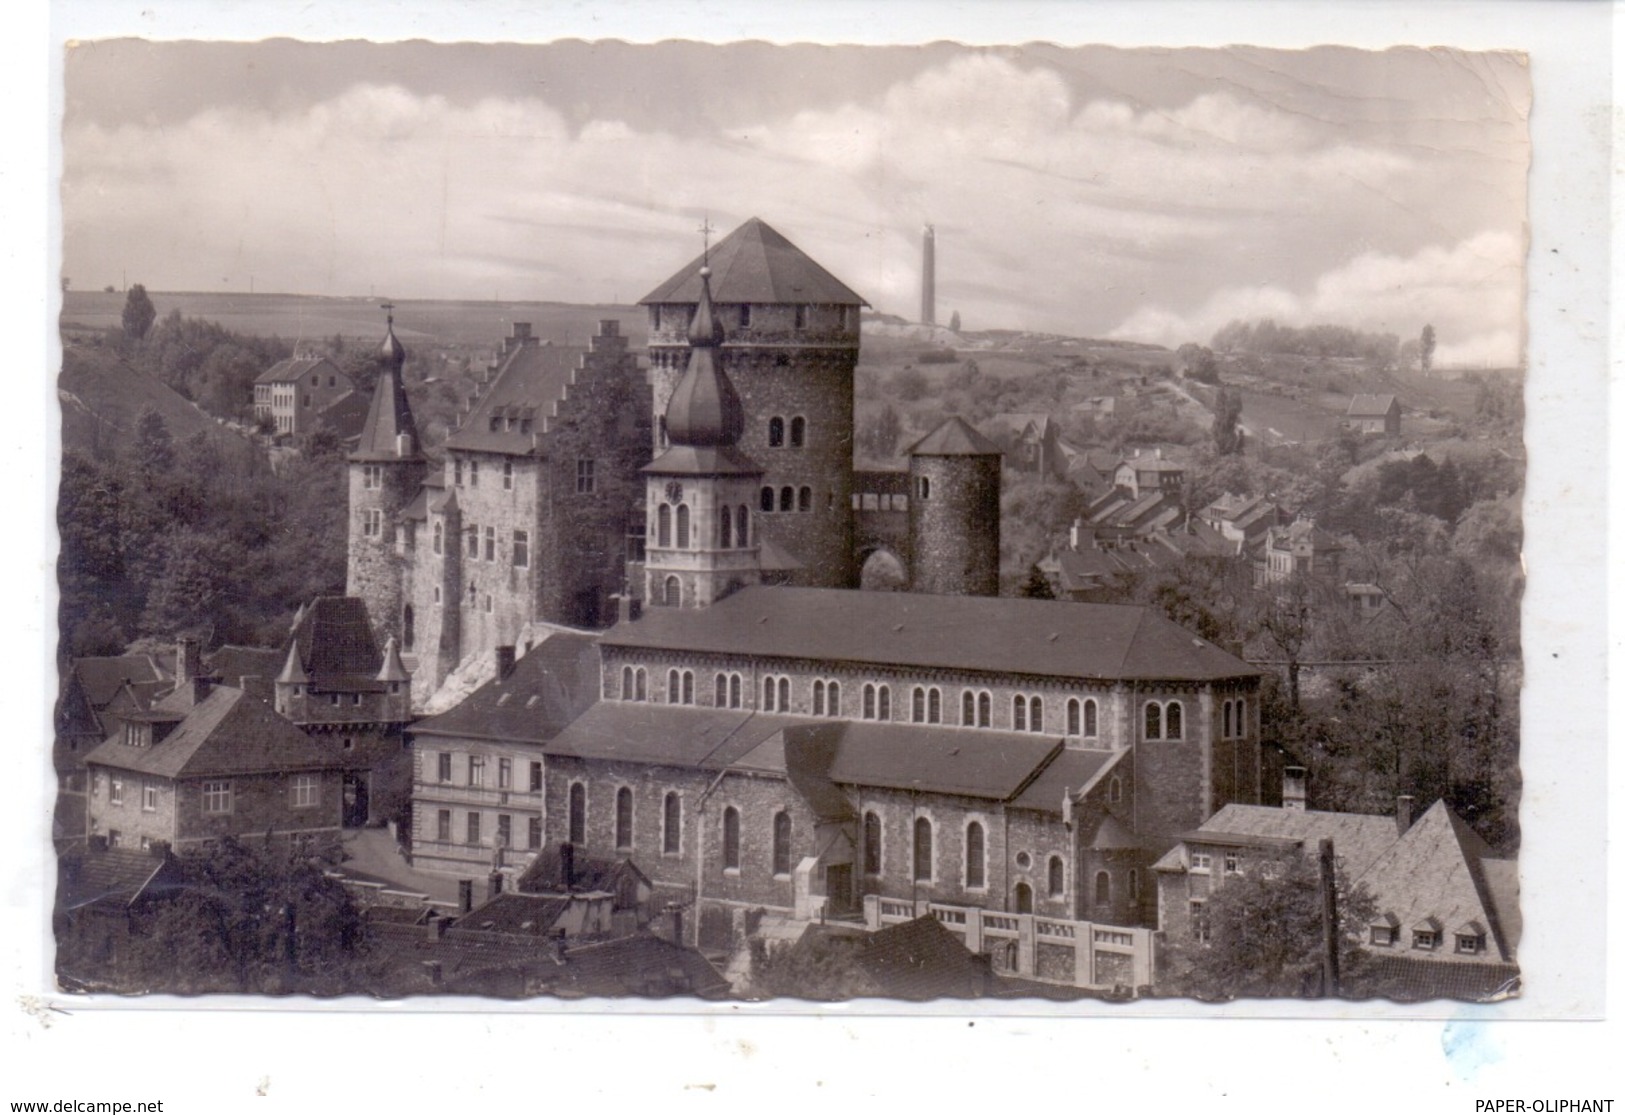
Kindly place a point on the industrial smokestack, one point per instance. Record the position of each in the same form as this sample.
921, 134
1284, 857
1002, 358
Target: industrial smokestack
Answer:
928, 278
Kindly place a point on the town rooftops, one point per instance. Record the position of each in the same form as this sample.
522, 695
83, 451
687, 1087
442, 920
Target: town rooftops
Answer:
227, 733
104, 676
676, 735
992, 635
545, 874
552, 684
755, 264
296, 368
117, 876
336, 644
530, 382
1358, 838
1370, 406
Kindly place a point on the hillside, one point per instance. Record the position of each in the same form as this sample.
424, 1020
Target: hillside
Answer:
102, 396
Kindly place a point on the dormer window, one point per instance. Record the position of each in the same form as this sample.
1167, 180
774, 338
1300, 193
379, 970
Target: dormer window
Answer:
1424, 939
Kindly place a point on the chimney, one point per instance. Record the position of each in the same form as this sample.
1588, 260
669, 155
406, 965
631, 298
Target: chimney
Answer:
1295, 788
1402, 815
505, 660
465, 895
567, 865
188, 661
404, 446
493, 885
201, 688
436, 925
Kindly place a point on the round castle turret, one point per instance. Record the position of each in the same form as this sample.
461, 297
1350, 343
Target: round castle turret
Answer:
953, 512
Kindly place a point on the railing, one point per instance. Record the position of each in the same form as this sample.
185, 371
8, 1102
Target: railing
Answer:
464, 794
1048, 950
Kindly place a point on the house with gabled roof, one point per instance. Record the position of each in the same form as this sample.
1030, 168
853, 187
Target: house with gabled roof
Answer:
1373, 414
294, 394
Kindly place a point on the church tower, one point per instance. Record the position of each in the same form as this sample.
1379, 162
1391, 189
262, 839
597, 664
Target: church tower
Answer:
386, 472
702, 544
791, 352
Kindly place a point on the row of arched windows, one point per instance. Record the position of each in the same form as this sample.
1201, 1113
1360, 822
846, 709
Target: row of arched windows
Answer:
728, 695
671, 820
679, 687
1164, 720
923, 856
787, 498
731, 852
775, 694
733, 527
776, 430
1235, 718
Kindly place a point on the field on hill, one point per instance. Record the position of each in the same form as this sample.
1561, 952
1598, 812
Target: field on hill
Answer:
296, 317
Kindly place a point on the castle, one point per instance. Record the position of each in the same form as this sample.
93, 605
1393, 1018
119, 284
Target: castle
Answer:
566, 484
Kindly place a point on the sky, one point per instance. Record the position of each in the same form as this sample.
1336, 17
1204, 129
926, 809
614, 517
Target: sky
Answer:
1141, 194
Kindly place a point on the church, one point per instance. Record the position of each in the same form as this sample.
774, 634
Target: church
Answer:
760, 737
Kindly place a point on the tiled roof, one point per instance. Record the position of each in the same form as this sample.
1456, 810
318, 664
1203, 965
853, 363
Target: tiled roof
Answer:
922, 959
1408, 979
389, 416
545, 874
1434, 870
336, 644
529, 384
993, 635
1071, 770
703, 460
678, 735
754, 263
231, 664
295, 368
227, 733
103, 676
552, 684
954, 438
1370, 406
930, 759
518, 914
117, 875
1358, 838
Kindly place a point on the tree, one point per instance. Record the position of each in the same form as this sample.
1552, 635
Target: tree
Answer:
1425, 353
878, 438
139, 313
1036, 586
1264, 931
1227, 435
953, 322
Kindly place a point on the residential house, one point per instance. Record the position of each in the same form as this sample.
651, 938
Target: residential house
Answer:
1373, 414
294, 394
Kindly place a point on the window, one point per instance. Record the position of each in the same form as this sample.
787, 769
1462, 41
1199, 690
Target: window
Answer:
1018, 714
1114, 789
883, 711
521, 549
730, 839
1199, 923
490, 543
1035, 713
1172, 720
1424, 939
1384, 935
443, 766
975, 856
967, 710
1057, 877
578, 813
674, 687
439, 538
216, 797
781, 843
641, 679
801, 317
476, 770
933, 706
798, 432
775, 432
507, 476
787, 498
818, 697
1134, 884
1232, 863
984, 710
1241, 717
504, 830
1229, 708
504, 774
115, 790
672, 838
1153, 721
149, 795
473, 472
674, 592
682, 526
457, 471
804, 500
663, 526
1103, 888
115, 838
919, 705
1201, 863
922, 850
744, 317
408, 627
923, 488
1469, 943
626, 683
473, 542
725, 530
472, 834
533, 837
303, 791
443, 826
372, 523
688, 687
1074, 722
623, 818
767, 499
1091, 719
834, 698
535, 776
371, 475
742, 526
871, 844
868, 701
586, 481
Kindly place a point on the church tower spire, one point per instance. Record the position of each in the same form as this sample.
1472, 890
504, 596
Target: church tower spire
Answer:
702, 544
386, 470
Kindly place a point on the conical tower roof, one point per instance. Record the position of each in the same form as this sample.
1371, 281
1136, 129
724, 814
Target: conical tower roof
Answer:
390, 432
293, 671
392, 669
954, 438
755, 263
704, 410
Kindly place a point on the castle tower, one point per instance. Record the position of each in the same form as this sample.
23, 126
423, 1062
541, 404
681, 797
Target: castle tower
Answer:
953, 512
791, 350
386, 471
928, 278
702, 542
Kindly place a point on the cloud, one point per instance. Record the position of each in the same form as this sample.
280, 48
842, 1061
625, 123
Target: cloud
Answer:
1470, 292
